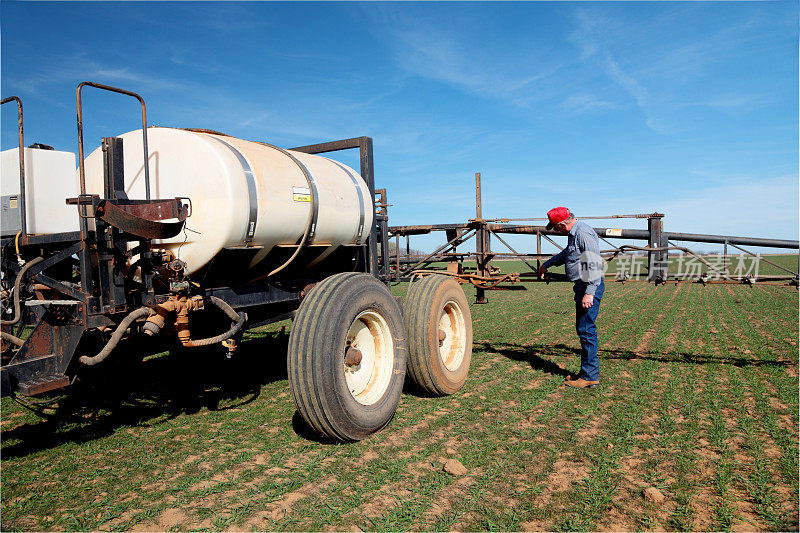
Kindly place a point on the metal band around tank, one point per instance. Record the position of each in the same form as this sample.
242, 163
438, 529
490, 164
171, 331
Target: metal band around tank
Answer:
361, 214
312, 187
252, 193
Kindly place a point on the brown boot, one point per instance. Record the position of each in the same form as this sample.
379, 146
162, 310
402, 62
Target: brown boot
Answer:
580, 383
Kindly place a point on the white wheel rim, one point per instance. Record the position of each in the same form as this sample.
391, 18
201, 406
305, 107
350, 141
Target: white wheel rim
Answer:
452, 327
369, 379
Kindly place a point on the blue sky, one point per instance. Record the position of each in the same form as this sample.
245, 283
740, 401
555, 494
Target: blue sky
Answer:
690, 109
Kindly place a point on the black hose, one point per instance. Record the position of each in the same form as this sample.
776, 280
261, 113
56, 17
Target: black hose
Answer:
223, 305
219, 338
17, 282
115, 337
238, 320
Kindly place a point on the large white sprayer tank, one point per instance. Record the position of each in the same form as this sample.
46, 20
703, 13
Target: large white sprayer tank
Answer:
251, 202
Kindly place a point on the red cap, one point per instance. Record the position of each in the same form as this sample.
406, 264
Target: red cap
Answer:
556, 215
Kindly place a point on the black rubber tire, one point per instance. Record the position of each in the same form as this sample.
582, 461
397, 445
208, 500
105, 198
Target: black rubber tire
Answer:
422, 309
316, 356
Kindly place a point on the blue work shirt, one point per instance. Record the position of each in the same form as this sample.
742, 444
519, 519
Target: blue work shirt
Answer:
581, 258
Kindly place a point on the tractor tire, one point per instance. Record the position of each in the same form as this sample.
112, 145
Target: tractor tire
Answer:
439, 328
347, 357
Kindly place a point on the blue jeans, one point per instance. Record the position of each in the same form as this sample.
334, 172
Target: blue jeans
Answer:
587, 332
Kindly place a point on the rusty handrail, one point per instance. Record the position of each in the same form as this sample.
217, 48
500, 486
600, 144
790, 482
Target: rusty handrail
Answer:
80, 131
22, 210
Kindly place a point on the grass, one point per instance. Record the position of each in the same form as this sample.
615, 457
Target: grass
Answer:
699, 399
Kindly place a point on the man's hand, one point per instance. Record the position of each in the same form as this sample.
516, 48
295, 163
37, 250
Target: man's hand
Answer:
542, 272
587, 301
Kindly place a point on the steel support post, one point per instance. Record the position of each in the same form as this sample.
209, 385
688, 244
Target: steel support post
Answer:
658, 261
482, 244
725, 257
483, 249
110, 240
368, 173
384, 251
538, 252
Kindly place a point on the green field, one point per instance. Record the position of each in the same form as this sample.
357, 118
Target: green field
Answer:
686, 266
698, 400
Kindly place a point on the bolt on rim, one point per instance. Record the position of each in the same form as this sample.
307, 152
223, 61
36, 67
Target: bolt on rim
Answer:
452, 336
369, 358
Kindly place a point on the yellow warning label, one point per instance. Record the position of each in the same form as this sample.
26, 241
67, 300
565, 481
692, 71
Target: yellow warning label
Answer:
613, 232
301, 194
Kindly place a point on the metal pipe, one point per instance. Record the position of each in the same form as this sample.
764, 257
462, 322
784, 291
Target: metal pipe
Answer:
725, 256
640, 215
621, 233
22, 210
425, 229
721, 239
397, 255
478, 203
538, 251
554, 243
608, 243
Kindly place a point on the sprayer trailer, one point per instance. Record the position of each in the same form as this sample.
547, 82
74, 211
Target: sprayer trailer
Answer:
183, 238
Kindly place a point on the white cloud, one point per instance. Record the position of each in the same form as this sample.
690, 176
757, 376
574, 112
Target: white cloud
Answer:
627, 82
75, 68
585, 103
429, 50
659, 67
758, 207
734, 101
592, 35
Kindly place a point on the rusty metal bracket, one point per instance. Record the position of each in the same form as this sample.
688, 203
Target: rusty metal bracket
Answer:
142, 219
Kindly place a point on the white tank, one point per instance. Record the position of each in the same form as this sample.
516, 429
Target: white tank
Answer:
245, 196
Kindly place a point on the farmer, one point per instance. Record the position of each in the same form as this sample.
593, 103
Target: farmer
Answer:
584, 267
